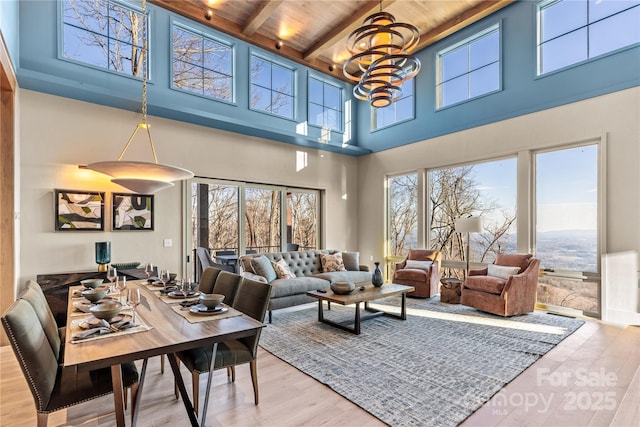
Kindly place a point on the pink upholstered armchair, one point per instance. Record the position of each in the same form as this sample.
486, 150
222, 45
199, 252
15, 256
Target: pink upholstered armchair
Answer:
505, 288
421, 269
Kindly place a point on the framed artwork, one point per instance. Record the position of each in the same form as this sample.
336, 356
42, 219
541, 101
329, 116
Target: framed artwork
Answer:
132, 211
79, 210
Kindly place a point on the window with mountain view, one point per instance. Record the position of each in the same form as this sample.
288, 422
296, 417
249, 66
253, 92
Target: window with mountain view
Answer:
202, 65
103, 34
469, 69
271, 88
566, 232
572, 31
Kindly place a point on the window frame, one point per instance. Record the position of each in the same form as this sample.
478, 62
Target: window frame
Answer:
215, 39
341, 112
272, 62
497, 27
539, 43
61, 41
374, 118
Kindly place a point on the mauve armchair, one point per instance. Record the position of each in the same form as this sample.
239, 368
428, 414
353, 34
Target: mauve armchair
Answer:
423, 274
513, 293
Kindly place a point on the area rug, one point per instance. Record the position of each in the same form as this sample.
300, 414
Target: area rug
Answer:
434, 369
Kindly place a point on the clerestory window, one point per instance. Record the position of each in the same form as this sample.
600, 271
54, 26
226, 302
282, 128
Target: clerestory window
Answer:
271, 88
202, 65
103, 34
573, 31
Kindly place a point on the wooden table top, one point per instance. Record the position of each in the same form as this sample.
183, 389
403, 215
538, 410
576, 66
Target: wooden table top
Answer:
170, 333
369, 293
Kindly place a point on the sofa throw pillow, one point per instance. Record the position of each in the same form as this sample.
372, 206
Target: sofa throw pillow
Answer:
332, 262
282, 269
501, 271
419, 265
351, 261
262, 267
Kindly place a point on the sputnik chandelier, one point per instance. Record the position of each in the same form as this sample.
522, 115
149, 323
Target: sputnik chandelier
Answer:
380, 48
141, 177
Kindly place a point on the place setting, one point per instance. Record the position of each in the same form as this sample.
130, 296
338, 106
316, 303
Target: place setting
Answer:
206, 307
107, 319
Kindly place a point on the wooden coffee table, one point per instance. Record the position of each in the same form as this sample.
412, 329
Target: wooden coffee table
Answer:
358, 296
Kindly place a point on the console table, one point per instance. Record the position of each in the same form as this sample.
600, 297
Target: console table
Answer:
56, 287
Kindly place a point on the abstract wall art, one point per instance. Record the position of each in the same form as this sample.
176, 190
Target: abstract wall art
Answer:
79, 210
132, 211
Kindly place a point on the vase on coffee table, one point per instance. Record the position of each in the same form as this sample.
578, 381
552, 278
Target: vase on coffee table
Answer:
376, 278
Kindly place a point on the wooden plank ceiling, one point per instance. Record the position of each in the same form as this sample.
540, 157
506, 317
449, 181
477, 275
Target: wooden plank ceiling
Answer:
314, 32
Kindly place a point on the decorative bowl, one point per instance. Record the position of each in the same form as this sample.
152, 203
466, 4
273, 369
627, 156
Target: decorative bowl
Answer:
95, 295
342, 288
125, 265
91, 283
106, 310
172, 277
211, 300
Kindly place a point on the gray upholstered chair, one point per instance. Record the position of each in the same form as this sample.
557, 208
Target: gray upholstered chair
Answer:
252, 299
204, 261
292, 247
217, 281
53, 386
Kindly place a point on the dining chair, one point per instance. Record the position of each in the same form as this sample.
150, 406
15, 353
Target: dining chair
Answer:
252, 299
53, 386
33, 295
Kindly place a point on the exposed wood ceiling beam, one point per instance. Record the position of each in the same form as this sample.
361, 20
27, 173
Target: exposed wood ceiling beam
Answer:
259, 15
344, 28
191, 11
449, 27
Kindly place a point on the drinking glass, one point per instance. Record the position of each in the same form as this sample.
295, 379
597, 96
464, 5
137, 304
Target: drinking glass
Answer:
133, 299
148, 269
112, 274
164, 276
121, 285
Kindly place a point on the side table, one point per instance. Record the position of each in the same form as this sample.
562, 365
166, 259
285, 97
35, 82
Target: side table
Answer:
450, 290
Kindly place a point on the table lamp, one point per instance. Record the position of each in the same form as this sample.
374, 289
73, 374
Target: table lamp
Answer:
471, 224
103, 255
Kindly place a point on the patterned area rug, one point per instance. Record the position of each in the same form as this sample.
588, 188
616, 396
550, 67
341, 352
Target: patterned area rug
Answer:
434, 369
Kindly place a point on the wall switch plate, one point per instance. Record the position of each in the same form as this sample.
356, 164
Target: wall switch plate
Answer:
167, 243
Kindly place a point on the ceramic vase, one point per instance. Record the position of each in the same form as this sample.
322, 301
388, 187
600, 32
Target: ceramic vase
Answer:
376, 279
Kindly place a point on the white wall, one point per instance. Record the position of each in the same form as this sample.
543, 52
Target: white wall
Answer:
615, 115
57, 134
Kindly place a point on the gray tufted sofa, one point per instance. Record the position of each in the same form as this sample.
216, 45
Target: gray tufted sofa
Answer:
309, 276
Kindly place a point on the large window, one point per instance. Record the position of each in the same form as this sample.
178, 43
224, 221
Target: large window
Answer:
271, 88
403, 213
470, 68
325, 105
566, 238
571, 31
399, 111
202, 65
487, 190
236, 217
104, 34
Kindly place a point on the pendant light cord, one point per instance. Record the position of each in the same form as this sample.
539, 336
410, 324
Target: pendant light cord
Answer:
144, 61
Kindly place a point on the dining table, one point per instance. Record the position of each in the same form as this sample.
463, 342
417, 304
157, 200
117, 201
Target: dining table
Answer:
163, 329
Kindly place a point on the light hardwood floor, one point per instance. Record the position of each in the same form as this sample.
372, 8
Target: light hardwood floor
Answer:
597, 366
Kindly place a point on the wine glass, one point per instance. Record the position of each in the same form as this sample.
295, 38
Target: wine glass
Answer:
164, 277
133, 299
121, 285
148, 269
112, 274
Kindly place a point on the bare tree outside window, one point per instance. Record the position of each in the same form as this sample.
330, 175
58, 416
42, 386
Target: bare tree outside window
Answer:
202, 65
262, 217
271, 88
302, 221
403, 213
104, 34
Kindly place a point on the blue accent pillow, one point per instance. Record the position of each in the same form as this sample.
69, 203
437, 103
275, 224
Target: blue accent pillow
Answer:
262, 267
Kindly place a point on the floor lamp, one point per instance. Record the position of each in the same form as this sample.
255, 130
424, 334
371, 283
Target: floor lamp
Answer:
472, 224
